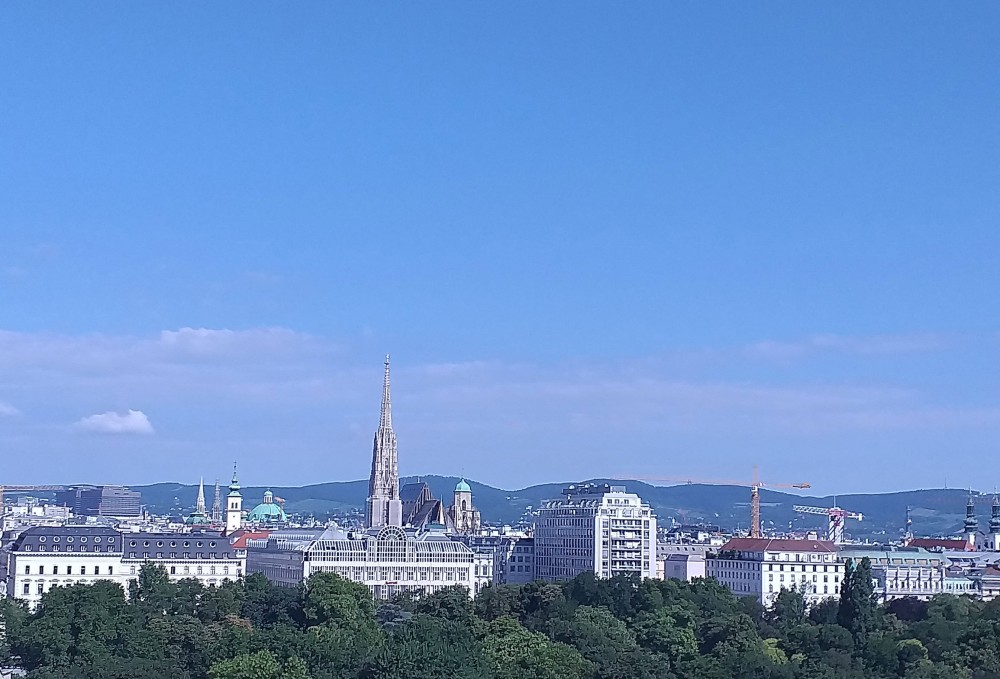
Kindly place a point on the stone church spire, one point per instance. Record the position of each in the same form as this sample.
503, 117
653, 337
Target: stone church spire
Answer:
217, 504
199, 505
384, 507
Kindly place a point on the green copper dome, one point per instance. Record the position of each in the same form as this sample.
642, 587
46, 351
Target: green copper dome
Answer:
268, 512
463, 487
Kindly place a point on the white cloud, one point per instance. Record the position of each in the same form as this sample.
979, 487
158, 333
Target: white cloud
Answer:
7, 410
132, 422
860, 346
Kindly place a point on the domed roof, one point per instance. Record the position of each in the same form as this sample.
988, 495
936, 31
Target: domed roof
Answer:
267, 512
463, 487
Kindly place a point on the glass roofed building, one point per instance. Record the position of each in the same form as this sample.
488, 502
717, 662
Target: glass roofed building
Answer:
389, 560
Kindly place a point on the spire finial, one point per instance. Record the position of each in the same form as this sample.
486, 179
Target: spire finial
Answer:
385, 420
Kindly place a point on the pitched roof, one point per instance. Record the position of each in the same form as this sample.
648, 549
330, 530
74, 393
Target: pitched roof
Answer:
935, 543
776, 545
241, 541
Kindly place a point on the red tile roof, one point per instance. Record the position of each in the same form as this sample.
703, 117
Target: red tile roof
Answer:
241, 541
775, 545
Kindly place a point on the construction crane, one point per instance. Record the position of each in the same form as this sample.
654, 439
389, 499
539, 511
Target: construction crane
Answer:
755, 485
28, 489
835, 520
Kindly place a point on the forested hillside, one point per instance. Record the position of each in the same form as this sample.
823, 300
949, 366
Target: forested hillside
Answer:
582, 629
939, 511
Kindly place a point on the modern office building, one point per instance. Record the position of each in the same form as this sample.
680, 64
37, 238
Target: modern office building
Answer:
389, 560
762, 567
111, 501
594, 527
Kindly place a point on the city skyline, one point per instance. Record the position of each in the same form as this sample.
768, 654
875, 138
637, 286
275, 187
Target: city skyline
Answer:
598, 242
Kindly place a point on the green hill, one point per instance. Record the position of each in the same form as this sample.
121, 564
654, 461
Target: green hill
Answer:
934, 512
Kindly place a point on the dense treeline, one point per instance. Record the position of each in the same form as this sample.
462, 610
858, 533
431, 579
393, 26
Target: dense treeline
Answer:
583, 629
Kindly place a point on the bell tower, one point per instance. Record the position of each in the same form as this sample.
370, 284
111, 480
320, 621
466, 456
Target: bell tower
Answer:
234, 505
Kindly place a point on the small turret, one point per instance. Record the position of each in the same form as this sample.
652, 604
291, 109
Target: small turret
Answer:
971, 523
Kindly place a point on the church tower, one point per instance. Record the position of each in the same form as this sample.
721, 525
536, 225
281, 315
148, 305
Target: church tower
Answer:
217, 505
234, 505
971, 524
463, 514
199, 504
384, 507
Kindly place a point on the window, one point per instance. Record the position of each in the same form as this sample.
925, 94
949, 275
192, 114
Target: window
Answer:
131, 570
97, 570
41, 570
173, 570
111, 570
27, 569
55, 570
41, 588
26, 588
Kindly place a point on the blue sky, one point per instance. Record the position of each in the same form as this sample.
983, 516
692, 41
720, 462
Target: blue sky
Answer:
657, 238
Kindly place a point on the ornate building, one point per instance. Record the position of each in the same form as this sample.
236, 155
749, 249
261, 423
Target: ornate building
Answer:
384, 507
463, 515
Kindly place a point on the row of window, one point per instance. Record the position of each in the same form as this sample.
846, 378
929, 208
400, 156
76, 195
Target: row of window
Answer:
69, 569
69, 538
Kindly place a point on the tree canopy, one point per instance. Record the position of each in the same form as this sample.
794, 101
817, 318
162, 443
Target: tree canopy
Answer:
587, 628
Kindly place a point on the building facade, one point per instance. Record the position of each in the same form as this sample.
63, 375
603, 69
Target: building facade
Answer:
903, 571
389, 560
762, 567
112, 501
594, 527
43, 557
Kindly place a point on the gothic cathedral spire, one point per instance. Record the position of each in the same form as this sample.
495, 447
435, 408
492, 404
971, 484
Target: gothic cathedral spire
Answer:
384, 507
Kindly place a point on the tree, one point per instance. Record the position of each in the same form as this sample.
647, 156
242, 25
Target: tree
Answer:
788, 610
858, 601
517, 653
332, 600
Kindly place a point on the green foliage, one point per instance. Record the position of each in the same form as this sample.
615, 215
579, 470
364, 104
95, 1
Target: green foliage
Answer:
858, 611
587, 628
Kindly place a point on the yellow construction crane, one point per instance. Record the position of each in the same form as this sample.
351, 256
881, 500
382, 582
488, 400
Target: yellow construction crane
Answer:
755, 485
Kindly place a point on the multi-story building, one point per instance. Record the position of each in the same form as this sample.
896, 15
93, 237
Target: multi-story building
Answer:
112, 501
903, 571
43, 557
681, 561
762, 567
388, 561
594, 527
514, 561
207, 557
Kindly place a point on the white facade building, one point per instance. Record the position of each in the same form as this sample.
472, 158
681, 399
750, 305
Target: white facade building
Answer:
389, 561
762, 567
904, 571
594, 527
44, 557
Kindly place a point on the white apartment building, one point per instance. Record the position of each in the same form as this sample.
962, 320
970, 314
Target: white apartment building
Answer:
388, 561
762, 567
44, 557
594, 527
